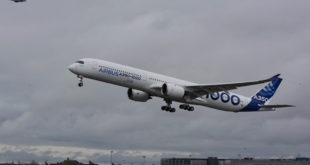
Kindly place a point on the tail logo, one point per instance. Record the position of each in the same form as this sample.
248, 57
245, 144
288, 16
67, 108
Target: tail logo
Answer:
268, 91
269, 88
263, 95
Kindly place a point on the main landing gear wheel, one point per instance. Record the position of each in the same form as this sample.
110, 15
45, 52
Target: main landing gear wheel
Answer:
80, 78
168, 106
187, 107
168, 109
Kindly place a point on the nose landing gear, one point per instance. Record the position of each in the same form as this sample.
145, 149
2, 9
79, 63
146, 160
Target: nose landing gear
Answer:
80, 78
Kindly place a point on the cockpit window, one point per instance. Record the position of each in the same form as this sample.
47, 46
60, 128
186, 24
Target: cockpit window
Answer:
80, 62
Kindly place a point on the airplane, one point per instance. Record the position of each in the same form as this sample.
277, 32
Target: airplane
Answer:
143, 85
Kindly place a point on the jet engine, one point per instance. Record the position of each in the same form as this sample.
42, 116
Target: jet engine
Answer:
137, 95
173, 90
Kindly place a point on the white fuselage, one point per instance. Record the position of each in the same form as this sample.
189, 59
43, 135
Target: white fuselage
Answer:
150, 82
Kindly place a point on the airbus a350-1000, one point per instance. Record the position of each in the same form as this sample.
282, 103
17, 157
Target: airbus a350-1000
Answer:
143, 85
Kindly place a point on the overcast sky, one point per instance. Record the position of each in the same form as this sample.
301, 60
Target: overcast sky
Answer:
45, 116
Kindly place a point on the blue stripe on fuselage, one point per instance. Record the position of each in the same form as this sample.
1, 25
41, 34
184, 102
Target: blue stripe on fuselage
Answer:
252, 106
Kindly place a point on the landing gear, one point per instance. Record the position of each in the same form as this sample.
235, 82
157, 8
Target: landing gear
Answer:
168, 106
80, 78
187, 107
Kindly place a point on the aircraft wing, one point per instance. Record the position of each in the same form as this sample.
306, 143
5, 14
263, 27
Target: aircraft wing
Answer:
199, 90
276, 106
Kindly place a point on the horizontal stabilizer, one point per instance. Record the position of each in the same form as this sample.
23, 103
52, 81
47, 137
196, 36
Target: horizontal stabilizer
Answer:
276, 106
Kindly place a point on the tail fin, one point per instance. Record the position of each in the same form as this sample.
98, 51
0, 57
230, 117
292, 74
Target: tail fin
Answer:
268, 91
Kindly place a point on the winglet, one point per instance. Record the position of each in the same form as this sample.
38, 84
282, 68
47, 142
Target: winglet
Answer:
271, 78
276, 76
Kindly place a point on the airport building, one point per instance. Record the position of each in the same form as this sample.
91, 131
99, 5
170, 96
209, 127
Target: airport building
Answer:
189, 161
246, 161
265, 162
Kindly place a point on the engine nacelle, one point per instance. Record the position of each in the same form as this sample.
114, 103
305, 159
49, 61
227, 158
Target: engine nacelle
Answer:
137, 95
173, 90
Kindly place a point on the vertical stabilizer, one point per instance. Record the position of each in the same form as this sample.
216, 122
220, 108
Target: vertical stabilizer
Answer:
268, 91
262, 96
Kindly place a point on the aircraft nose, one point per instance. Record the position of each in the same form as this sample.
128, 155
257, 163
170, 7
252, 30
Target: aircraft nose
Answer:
71, 68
